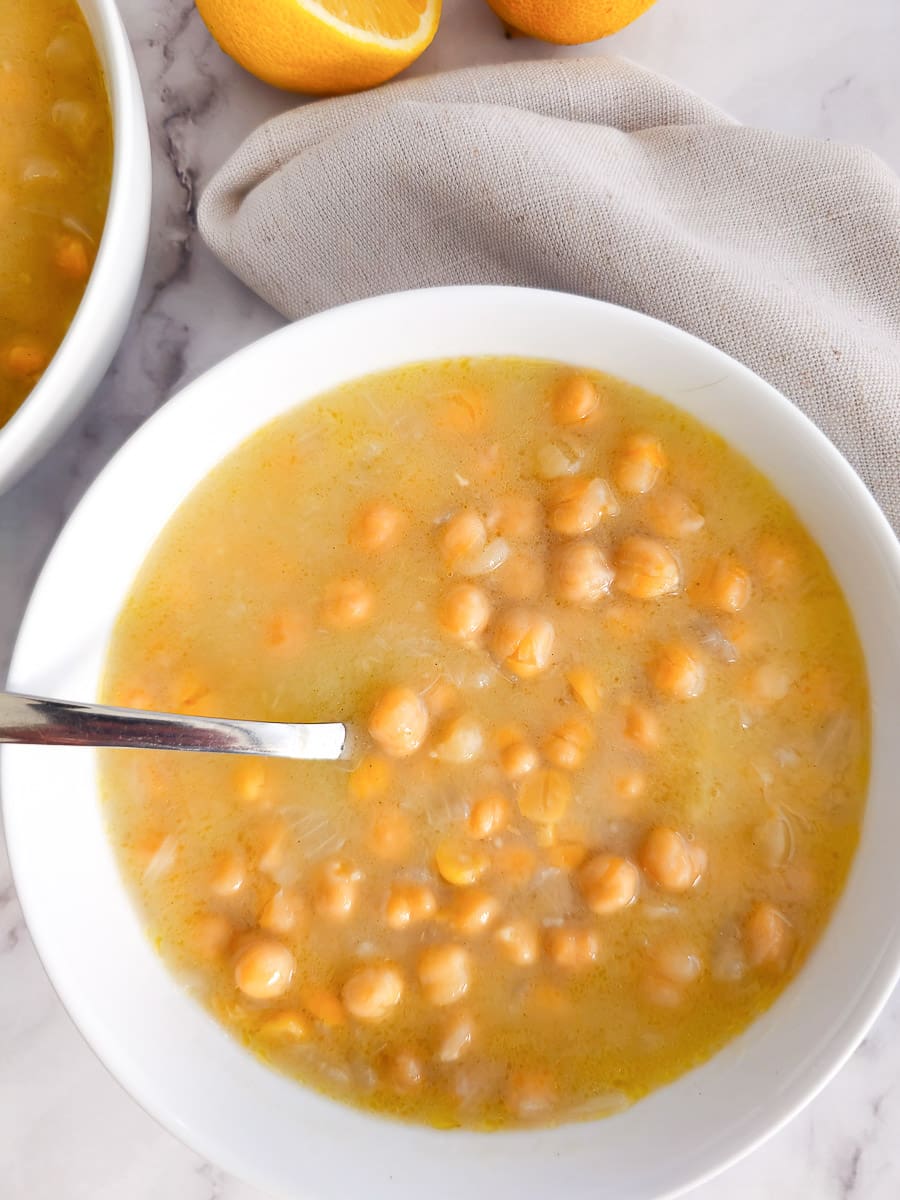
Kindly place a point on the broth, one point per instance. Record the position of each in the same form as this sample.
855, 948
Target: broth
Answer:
616, 757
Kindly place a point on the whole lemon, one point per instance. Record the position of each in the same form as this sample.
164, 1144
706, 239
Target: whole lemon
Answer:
569, 22
322, 46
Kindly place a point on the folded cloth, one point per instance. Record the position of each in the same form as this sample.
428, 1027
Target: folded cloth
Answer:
601, 178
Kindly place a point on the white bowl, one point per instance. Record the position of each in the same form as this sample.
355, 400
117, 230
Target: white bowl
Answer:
95, 333
175, 1059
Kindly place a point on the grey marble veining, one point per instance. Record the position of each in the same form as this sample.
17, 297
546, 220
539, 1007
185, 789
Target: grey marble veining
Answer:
823, 67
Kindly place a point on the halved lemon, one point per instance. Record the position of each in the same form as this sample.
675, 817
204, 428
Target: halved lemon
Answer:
322, 46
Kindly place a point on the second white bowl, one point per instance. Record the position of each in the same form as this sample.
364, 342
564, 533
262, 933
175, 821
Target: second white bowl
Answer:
99, 324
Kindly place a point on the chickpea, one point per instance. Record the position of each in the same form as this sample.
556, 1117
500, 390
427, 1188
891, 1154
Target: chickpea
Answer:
545, 796
774, 841
641, 726
464, 612
767, 683
581, 574
568, 745
529, 1094
135, 698
461, 740
768, 939
212, 934
639, 465
743, 635
290, 1025
506, 735
473, 911
463, 412
444, 972
558, 458
801, 883
645, 569
348, 603
156, 854
516, 516
372, 992
566, 856
775, 560
283, 912
287, 632
585, 688
678, 672
515, 863
729, 964
577, 505
677, 963
630, 785
399, 722
488, 460
228, 875
518, 758
391, 836
519, 941
192, 694
460, 864
608, 883
335, 888
264, 969
572, 948
673, 515
670, 861
521, 577
575, 401
406, 1071
462, 536
250, 781
324, 1006
371, 778
545, 836
488, 816
408, 904
271, 847
522, 641
71, 258
441, 697
377, 527
456, 1038
661, 992
24, 359
725, 586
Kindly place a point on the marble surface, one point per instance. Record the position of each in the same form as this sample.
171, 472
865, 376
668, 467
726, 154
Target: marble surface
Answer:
823, 67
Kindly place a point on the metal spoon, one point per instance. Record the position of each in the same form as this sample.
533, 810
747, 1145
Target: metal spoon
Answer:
38, 721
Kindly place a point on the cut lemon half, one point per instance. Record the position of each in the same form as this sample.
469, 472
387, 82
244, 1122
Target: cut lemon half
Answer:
322, 46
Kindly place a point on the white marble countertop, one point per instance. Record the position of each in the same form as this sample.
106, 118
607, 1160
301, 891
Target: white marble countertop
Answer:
824, 67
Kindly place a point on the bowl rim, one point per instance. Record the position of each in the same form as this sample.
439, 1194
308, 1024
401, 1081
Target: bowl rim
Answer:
855, 1022
98, 325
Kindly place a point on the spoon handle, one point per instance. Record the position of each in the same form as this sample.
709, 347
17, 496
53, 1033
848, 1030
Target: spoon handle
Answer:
37, 721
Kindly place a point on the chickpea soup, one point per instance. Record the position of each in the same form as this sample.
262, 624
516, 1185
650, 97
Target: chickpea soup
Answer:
55, 170
613, 743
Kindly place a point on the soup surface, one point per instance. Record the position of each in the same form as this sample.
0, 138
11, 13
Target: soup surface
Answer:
55, 168
613, 752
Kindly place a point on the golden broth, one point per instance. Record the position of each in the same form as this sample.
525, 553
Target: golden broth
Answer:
55, 169
566, 866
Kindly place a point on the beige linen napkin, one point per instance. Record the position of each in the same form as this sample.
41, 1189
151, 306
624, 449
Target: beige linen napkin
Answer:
601, 178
